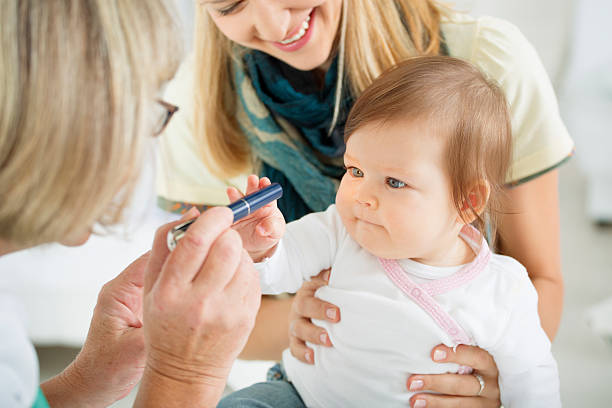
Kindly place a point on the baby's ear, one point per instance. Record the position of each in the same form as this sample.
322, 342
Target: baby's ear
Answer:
475, 202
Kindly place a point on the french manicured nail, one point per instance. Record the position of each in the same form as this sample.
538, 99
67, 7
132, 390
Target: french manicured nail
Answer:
326, 276
307, 356
420, 403
416, 385
331, 313
323, 338
439, 355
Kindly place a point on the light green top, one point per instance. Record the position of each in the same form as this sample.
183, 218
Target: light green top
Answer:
40, 401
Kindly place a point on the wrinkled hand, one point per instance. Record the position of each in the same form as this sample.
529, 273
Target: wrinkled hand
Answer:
305, 307
261, 230
112, 359
458, 390
200, 304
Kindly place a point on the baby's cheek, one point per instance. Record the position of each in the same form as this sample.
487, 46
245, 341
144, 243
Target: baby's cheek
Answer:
342, 204
345, 216
403, 231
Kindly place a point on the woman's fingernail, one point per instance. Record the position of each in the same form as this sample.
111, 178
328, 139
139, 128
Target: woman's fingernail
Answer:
326, 276
331, 313
439, 355
420, 403
307, 356
323, 338
416, 385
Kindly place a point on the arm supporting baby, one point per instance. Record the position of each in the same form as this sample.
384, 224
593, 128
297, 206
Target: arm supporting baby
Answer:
528, 374
530, 233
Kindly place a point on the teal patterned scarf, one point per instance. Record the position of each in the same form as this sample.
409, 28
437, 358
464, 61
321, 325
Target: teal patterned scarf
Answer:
286, 118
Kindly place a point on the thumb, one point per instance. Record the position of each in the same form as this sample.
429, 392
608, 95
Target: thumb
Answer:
134, 273
160, 250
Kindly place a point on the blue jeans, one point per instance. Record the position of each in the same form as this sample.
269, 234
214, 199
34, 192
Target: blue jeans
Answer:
276, 392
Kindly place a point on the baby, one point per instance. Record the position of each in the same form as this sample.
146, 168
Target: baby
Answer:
428, 146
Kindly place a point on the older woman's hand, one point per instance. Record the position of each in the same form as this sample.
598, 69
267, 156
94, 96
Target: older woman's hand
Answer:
305, 307
112, 360
458, 390
200, 304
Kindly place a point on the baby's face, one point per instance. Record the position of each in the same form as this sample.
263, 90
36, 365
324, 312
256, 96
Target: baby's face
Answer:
395, 198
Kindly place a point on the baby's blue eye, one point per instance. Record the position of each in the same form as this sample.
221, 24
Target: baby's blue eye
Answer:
356, 172
394, 183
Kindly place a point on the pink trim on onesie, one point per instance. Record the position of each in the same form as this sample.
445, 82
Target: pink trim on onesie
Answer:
423, 295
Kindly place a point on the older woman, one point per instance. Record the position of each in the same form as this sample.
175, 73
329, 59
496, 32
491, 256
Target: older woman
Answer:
80, 80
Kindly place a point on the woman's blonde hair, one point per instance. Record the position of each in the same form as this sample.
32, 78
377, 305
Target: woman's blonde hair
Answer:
379, 34
79, 80
460, 105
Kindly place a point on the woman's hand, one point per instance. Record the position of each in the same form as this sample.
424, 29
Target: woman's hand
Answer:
112, 360
457, 390
200, 303
260, 231
305, 307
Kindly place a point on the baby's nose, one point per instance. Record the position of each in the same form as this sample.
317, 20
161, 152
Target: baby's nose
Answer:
367, 200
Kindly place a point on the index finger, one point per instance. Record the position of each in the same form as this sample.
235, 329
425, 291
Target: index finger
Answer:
184, 263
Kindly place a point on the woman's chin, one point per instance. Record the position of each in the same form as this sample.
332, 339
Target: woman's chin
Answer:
306, 61
76, 239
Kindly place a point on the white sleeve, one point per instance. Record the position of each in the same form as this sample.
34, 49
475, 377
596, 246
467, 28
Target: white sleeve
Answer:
528, 375
18, 362
536, 387
309, 246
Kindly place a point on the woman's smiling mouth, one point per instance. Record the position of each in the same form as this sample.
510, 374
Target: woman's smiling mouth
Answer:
302, 30
299, 36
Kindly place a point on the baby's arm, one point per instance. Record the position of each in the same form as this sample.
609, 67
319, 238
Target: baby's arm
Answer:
308, 246
528, 375
261, 230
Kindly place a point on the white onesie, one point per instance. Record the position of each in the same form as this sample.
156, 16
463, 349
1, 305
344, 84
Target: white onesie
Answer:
394, 312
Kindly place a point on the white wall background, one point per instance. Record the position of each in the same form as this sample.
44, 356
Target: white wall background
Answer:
59, 285
546, 23
586, 102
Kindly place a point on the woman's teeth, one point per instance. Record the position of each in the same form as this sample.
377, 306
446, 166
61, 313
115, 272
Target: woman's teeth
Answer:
299, 34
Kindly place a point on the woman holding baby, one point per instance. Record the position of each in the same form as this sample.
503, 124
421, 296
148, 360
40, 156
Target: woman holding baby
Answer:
274, 83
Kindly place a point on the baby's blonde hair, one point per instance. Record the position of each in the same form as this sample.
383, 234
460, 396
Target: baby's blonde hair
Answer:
379, 34
462, 106
79, 80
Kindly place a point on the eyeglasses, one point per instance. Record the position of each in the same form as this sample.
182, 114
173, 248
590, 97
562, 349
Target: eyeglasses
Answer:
167, 111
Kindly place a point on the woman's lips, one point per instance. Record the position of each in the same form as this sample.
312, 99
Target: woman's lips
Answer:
297, 32
299, 41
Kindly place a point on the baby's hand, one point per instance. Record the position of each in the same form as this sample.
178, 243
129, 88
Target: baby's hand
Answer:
260, 231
